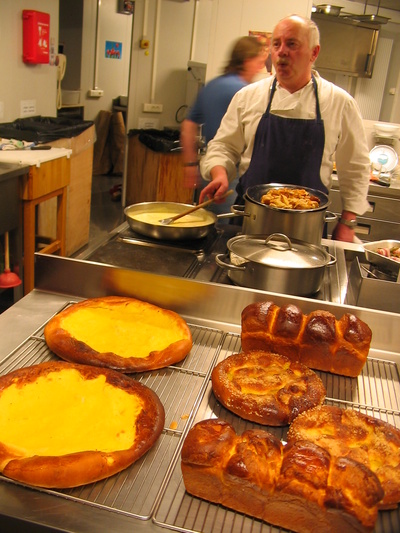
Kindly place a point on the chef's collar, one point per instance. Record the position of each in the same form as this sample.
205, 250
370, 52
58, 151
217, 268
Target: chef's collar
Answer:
278, 85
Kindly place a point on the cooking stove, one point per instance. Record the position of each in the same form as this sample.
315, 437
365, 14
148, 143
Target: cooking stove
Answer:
192, 259
348, 281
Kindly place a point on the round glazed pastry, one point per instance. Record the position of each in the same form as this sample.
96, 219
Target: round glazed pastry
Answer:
265, 387
64, 425
120, 333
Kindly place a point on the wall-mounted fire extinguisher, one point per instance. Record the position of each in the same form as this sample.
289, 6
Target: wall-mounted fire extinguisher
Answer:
36, 36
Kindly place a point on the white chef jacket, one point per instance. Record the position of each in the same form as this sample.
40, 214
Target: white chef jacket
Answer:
345, 139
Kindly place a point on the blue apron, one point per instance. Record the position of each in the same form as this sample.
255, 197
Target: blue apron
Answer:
286, 150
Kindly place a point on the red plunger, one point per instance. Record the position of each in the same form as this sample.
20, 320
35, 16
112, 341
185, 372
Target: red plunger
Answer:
8, 279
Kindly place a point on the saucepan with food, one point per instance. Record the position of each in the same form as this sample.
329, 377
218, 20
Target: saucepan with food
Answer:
275, 263
298, 212
146, 218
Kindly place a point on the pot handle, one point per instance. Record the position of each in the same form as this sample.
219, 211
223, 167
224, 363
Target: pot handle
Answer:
332, 260
329, 216
282, 237
220, 260
236, 211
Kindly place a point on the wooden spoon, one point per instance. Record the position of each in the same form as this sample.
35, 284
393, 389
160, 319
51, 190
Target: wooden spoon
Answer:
166, 221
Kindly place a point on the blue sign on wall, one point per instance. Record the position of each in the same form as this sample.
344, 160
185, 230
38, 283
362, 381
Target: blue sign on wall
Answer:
113, 50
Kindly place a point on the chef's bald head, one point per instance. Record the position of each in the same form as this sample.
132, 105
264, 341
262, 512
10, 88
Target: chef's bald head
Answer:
308, 24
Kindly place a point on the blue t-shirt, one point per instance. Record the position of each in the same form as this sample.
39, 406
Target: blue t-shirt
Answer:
213, 101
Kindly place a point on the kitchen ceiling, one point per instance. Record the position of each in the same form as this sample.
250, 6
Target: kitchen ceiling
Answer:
384, 4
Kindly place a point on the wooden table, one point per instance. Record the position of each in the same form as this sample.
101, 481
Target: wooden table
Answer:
48, 177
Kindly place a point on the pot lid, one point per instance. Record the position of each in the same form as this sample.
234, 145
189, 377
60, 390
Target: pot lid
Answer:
383, 158
278, 251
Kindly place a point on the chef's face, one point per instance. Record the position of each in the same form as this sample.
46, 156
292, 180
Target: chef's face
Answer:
291, 53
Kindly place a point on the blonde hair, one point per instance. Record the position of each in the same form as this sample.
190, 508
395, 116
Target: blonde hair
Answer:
244, 48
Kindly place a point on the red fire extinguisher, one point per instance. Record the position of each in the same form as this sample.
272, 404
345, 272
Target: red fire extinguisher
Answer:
36, 36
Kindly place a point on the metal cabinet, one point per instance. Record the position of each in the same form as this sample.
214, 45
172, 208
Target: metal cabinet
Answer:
380, 222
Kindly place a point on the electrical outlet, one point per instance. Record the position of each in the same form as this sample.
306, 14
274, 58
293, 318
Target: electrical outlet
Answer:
95, 93
152, 108
27, 108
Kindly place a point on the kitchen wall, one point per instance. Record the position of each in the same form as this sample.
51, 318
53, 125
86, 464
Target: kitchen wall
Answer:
25, 89
177, 31
378, 97
216, 25
98, 71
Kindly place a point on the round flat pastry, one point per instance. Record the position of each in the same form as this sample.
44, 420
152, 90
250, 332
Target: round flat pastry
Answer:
349, 433
265, 387
64, 425
120, 333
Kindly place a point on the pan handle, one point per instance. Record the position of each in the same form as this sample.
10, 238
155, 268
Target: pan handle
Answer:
220, 259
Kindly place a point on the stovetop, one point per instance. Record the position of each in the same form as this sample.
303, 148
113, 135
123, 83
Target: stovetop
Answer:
348, 281
194, 259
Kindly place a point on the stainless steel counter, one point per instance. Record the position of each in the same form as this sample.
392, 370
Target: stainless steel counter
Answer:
150, 496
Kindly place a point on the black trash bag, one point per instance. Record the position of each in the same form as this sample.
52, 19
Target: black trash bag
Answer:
43, 129
159, 140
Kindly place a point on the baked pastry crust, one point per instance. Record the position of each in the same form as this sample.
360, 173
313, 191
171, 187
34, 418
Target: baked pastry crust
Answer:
125, 334
298, 487
318, 340
64, 425
349, 433
265, 387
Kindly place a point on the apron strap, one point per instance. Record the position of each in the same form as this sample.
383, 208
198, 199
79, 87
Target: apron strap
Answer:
315, 86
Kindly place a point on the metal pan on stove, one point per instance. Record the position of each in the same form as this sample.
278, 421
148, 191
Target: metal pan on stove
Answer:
144, 218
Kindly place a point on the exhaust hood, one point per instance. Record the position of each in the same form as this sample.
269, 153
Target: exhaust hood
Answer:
347, 46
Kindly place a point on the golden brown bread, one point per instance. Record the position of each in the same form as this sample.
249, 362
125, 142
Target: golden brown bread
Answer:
349, 433
298, 487
317, 340
120, 333
64, 425
266, 388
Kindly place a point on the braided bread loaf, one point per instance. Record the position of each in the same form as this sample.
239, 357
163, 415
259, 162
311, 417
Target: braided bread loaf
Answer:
298, 486
317, 340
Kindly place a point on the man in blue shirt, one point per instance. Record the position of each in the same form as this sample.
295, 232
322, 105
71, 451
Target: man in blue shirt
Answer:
247, 58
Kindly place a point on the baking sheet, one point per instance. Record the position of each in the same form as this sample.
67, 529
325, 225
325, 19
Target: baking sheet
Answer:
376, 392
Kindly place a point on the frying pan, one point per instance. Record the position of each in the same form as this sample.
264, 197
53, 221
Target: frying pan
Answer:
195, 226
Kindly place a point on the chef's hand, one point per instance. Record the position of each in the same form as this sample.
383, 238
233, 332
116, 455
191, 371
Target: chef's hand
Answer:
217, 187
343, 232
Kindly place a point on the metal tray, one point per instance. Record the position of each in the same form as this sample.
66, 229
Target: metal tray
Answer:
379, 260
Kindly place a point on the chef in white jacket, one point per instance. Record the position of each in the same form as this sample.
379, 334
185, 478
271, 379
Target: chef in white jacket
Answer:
290, 128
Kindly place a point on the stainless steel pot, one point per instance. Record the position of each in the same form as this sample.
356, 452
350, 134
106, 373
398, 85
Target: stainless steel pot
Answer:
305, 225
275, 263
185, 230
